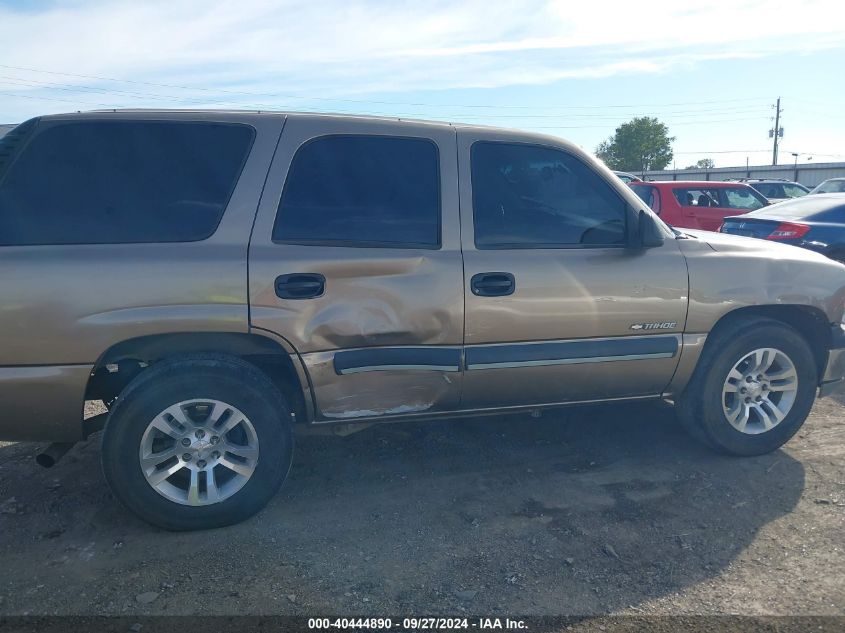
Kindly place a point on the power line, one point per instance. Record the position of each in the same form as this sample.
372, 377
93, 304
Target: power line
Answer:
180, 99
726, 151
370, 101
456, 120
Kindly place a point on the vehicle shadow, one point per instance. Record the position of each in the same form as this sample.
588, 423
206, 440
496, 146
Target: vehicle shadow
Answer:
583, 511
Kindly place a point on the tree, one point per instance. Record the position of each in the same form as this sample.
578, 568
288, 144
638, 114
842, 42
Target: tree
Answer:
641, 144
704, 163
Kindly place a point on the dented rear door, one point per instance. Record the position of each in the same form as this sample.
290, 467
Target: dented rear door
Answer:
355, 260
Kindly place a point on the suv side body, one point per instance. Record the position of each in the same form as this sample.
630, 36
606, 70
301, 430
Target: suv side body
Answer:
358, 270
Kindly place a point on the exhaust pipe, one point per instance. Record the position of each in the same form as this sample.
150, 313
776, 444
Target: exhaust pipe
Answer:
53, 453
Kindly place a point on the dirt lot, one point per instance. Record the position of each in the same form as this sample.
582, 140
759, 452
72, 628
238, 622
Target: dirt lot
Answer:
593, 510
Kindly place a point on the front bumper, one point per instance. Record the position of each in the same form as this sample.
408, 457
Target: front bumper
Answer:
833, 378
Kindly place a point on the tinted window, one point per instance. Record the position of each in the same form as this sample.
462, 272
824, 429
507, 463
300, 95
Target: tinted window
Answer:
648, 194
528, 196
12, 142
99, 182
769, 189
362, 191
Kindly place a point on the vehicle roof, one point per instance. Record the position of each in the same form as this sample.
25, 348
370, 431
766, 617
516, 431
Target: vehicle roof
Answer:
710, 184
774, 181
803, 206
177, 113
254, 116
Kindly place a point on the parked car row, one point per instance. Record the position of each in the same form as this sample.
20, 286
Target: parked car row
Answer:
773, 189
815, 222
698, 204
776, 189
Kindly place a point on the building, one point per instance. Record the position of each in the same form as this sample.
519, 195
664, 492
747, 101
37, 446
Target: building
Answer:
808, 174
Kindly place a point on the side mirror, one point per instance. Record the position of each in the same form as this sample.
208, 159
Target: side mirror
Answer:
648, 232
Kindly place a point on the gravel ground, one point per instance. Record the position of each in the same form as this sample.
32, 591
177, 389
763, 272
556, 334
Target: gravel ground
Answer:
583, 511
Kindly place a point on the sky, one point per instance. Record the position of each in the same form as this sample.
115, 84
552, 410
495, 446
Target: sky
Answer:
711, 70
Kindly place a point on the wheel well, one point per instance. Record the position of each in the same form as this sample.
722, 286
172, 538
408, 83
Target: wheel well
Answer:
809, 322
120, 363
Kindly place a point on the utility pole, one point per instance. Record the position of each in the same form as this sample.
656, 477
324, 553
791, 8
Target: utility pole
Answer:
776, 133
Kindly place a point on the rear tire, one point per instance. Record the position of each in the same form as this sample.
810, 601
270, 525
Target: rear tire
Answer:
752, 389
197, 443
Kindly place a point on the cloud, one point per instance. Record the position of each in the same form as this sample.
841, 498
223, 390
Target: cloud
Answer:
355, 47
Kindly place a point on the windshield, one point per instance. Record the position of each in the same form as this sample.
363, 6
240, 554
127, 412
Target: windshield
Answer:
794, 191
831, 186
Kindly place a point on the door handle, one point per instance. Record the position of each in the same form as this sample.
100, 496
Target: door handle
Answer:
492, 284
300, 286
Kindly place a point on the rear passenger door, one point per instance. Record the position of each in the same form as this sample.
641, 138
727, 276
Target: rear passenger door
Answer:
558, 307
355, 260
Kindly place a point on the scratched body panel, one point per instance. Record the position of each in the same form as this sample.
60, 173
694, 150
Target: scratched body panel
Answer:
374, 297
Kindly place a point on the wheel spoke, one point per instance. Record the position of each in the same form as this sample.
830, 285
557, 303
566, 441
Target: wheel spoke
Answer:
212, 492
151, 460
231, 422
784, 374
194, 489
158, 476
247, 452
764, 359
162, 424
785, 380
731, 387
177, 413
738, 416
770, 413
783, 386
735, 374
217, 410
241, 469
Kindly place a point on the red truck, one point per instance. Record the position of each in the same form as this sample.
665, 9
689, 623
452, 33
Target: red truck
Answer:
698, 204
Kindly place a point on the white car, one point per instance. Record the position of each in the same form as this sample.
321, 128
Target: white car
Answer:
831, 185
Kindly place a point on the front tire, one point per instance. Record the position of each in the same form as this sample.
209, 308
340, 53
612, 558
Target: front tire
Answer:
197, 443
752, 389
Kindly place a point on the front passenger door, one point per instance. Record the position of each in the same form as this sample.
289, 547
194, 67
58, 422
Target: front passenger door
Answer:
559, 308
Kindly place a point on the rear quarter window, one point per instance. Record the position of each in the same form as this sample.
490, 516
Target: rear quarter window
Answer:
115, 182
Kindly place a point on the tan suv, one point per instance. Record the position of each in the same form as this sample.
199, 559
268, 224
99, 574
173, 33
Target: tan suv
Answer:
217, 277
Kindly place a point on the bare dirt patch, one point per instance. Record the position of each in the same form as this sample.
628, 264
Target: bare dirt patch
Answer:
585, 511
